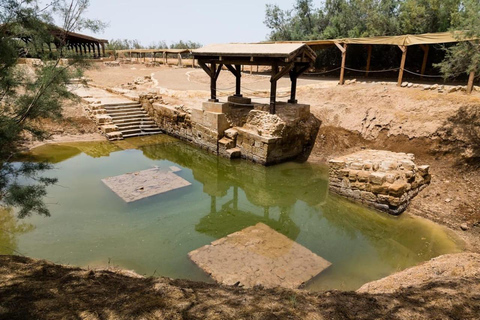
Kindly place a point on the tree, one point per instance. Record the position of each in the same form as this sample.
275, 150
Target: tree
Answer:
26, 97
464, 56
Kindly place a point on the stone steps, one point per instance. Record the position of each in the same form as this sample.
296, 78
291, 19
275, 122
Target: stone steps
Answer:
123, 120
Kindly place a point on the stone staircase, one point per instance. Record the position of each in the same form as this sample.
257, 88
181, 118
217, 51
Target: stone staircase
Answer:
124, 120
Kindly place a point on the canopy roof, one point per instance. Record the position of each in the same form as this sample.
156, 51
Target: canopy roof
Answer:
153, 51
274, 50
73, 37
402, 40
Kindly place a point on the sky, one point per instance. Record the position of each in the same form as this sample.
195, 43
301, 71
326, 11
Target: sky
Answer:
204, 21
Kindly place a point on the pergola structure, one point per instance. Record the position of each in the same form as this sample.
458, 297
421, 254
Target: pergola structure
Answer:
403, 42
74, 42
165, 52
285, 58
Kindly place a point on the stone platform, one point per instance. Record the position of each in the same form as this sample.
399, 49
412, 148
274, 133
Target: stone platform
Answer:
258, 255
142, 184
383, 180
239, 128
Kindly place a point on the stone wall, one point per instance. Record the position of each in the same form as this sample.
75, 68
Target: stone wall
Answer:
238, 128
383, 180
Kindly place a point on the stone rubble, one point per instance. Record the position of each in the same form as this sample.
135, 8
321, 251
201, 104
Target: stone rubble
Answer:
383, 180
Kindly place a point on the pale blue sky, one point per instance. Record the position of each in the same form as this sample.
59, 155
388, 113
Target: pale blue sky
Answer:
204, 21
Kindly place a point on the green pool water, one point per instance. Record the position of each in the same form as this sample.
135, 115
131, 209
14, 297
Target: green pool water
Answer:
90, 226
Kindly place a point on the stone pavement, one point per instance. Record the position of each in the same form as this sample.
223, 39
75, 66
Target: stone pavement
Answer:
142, 184
258, 255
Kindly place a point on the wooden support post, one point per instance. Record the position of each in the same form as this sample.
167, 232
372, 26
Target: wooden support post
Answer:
103, 49
294, 74
251, 69
193, 62
154, 57
273, 88
471, 80
236, 71
343, 49
99, 50
426, 49
180, 63
213, 84
144, 57
369, 58
402, 65
238, 91
293, 91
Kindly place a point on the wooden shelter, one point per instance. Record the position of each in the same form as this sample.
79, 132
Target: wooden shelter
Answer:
286, 58
402, 42
78, 43
153, 52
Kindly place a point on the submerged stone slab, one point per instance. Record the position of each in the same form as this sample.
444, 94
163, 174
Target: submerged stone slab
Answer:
142, 184
258, 255
384, 180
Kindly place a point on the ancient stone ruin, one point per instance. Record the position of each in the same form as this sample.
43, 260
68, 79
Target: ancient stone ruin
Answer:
383, 180
239, 128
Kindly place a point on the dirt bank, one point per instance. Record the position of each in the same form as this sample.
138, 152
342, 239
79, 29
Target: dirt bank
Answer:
33, 289
442, 130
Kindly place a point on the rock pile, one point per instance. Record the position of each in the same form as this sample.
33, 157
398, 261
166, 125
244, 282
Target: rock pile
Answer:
383, 180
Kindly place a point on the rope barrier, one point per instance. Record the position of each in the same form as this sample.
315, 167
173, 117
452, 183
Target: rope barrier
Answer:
422, 75
324, 72
372, 71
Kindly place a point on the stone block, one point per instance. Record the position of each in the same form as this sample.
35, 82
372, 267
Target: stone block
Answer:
108, 128
234, 153
378, 178
363, 176
231, 133
424, 170
397, 188
217, 122
217, 107
102, 119
336, 164
226, 143
239, 100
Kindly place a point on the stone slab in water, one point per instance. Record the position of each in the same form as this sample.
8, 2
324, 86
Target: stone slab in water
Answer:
258, 255
142, 184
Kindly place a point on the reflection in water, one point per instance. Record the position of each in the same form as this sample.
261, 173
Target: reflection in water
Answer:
10, 229
91, 224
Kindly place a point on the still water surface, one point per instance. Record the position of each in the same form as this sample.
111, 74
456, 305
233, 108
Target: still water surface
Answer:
91, 226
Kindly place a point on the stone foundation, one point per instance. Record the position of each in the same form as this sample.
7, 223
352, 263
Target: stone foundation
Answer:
238, 128
383, 180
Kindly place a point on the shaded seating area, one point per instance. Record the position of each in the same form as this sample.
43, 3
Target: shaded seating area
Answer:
291, 59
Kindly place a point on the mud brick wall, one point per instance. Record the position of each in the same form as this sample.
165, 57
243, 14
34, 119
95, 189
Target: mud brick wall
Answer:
383, 180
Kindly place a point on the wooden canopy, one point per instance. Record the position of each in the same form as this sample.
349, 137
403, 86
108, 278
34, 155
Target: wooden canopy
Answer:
74, 42
284, 58
402, 41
